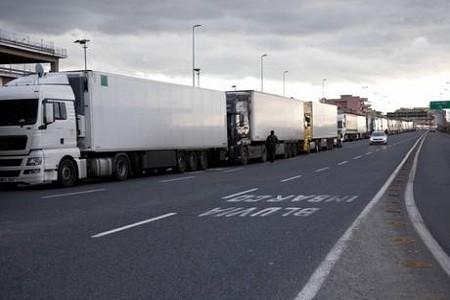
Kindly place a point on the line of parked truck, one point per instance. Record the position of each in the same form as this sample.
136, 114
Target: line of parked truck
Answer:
353, 127
67, 126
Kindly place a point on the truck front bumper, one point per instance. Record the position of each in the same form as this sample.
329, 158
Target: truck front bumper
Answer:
22, 169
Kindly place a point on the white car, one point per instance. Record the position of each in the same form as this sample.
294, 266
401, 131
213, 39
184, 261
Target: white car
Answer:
378, 137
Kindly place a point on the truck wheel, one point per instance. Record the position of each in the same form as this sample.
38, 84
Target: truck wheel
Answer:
181, 162
244, 156
192, 161
121, 167
287, 151
264, 154
67, 173
316, 147
203, 160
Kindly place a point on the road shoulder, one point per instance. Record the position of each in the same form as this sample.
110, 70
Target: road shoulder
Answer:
386, 259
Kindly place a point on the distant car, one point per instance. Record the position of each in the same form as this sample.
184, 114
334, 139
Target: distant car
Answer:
378, 137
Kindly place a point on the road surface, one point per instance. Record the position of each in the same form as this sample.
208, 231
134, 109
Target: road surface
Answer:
252, 232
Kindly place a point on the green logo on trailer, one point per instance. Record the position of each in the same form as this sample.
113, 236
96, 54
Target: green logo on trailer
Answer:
103, 80
439, 104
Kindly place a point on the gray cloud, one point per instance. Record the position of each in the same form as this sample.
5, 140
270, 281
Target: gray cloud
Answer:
350, 41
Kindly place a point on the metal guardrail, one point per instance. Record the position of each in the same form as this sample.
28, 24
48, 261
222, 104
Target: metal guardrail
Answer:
25, 42
15, 71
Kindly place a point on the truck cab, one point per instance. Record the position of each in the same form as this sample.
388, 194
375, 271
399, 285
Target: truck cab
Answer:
38, 134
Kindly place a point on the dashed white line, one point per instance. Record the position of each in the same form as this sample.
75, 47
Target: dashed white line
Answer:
343, 163
73, 194
368, 153
132, 225
291, 178
357, 157
177, 179
321, 170
240, 193
232, 170
378, 150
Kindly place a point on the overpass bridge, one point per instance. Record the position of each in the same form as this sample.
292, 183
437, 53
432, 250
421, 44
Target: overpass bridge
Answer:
16, 50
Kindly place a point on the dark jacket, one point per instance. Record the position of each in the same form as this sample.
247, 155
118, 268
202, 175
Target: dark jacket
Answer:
271, 142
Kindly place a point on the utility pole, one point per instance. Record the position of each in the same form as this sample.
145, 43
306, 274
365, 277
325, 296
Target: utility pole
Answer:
262, 72
83, 43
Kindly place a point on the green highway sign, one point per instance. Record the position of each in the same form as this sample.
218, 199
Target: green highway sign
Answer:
440, 104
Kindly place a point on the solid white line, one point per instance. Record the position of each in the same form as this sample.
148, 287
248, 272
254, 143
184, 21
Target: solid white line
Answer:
417, 220
240, 193
291, 178
132, 225
319, 276
73, 194
178, 179
343, 162
232, 170
357, 157
322, 169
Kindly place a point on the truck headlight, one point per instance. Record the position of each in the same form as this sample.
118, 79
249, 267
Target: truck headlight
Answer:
34, 161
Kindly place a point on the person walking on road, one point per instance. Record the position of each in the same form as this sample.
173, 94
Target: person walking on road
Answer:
271, 146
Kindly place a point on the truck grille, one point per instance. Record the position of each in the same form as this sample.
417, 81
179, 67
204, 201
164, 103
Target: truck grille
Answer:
13, 142
9, 173
10, 162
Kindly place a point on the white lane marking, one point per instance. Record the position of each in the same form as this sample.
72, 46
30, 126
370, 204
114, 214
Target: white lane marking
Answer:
232, 170
319, 276
240, 193
417, 220
291, 178
177, 179
357, 157
321, 170
343, 163
73, 194
378, 150
132, 225
368, 153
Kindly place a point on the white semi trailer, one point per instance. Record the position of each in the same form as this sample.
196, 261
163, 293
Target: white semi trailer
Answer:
321, 121
251, 117
68, 126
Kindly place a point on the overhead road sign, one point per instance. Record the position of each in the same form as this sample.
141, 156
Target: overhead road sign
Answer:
440, 104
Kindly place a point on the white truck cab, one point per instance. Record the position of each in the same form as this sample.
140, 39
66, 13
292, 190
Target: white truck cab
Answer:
38, 134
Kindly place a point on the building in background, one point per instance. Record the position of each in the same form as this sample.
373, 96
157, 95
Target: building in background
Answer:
350, 104
422, 116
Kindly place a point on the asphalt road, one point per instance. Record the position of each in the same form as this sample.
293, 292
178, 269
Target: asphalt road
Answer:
208, 240
432, 187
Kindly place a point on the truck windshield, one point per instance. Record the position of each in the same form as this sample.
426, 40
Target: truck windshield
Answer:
18, 112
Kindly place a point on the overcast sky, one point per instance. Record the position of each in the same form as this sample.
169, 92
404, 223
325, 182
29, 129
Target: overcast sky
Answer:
395, 52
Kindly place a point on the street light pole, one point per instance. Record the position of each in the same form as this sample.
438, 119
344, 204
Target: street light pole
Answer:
262, 72
83, 43
323, 88
284, 82
193, 53
197, 70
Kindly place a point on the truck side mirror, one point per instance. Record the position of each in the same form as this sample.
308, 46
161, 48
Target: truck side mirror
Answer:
49, 113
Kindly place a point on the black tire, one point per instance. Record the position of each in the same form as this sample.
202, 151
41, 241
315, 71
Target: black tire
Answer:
244, 156
316, 147
287, 150
67, 173
181, 162
294, 150
121, 169
203, 160
192, 161
264, 154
